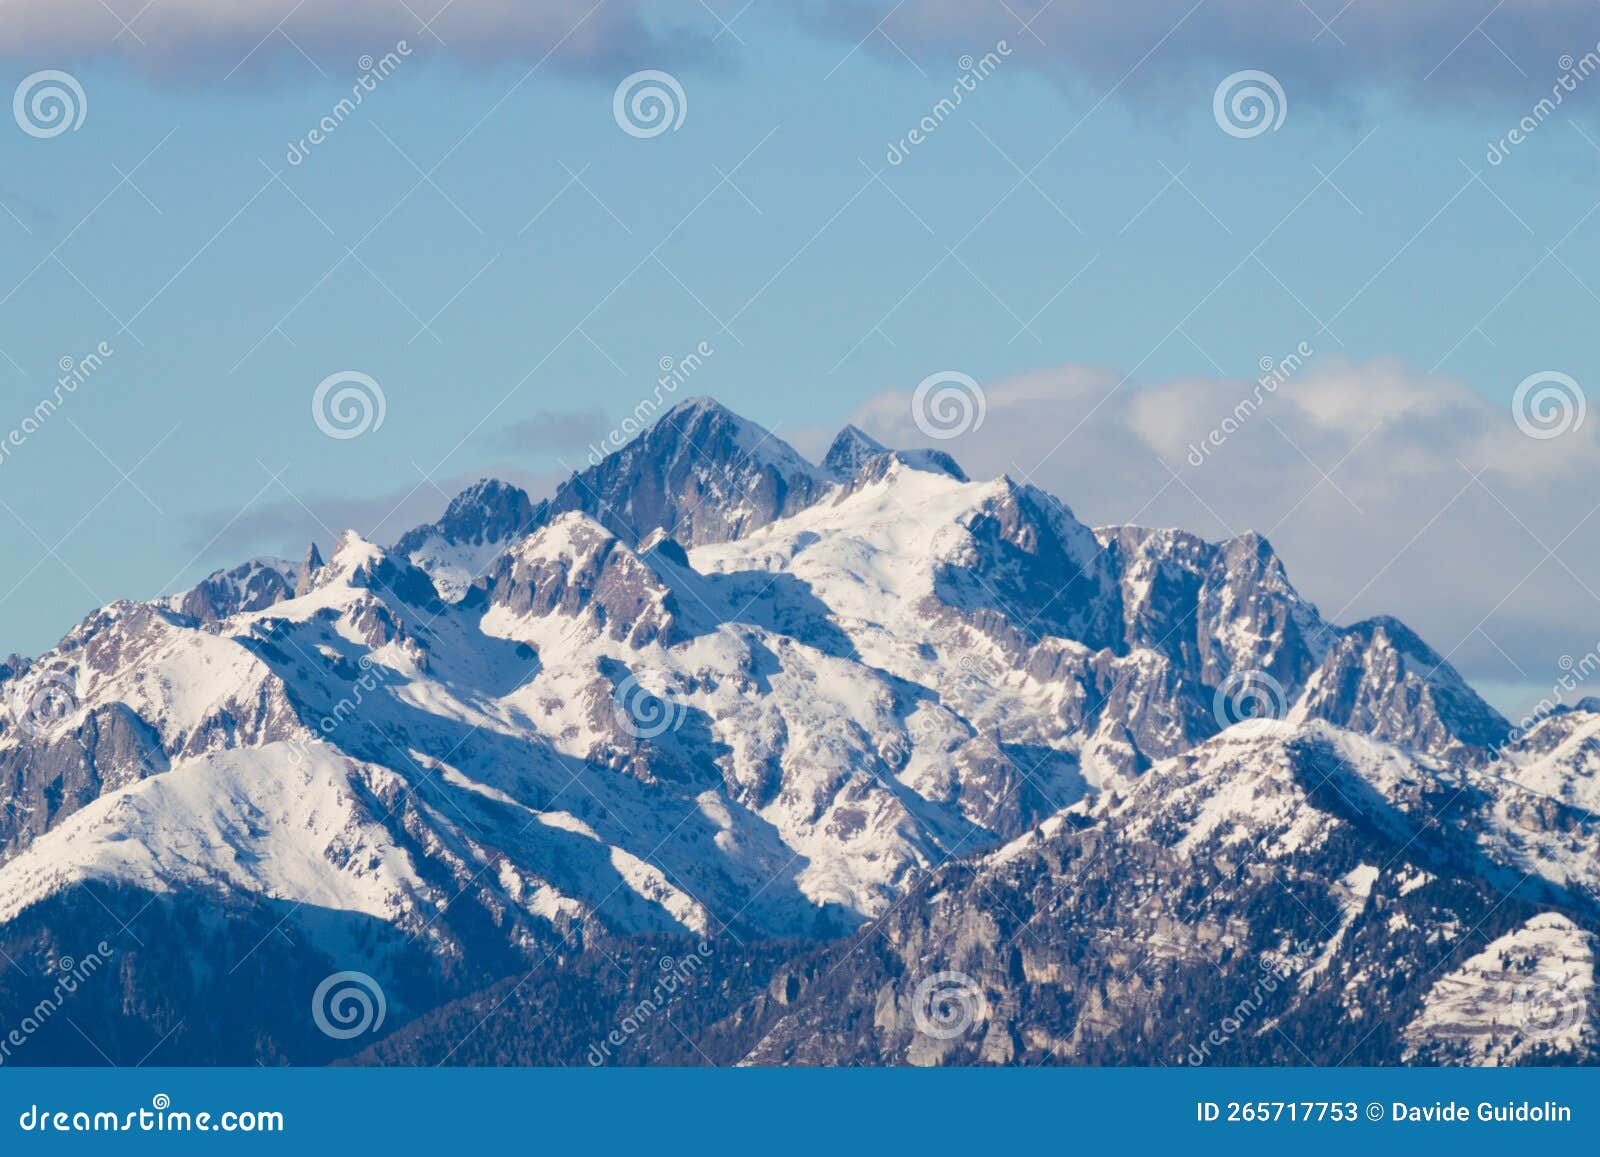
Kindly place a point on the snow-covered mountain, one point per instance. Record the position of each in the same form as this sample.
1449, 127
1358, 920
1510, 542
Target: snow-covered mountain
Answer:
903, 722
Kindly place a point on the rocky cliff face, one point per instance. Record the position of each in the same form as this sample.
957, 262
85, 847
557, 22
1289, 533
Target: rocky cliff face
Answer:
1381, 680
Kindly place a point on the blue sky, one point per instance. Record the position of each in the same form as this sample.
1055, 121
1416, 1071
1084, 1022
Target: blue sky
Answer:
483, 240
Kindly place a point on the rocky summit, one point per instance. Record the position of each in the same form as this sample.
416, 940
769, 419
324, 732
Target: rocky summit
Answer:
720, 756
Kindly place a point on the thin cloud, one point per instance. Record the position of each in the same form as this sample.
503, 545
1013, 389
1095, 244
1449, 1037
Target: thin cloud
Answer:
1317, 49
567, 433
203, 39
284, 526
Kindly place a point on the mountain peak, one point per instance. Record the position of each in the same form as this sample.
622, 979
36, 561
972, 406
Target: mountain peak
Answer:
1381, 679
487, 511
359, 563
308, 569
713, 430
485, 489
701, 472
479, 523
251, 586
857, 456
352, 551
851, 448
1390, 630
701, 404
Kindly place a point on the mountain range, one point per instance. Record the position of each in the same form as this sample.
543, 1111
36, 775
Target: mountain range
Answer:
717, 755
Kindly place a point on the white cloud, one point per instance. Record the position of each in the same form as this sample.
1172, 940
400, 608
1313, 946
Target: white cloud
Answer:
210, 39
1384, 489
